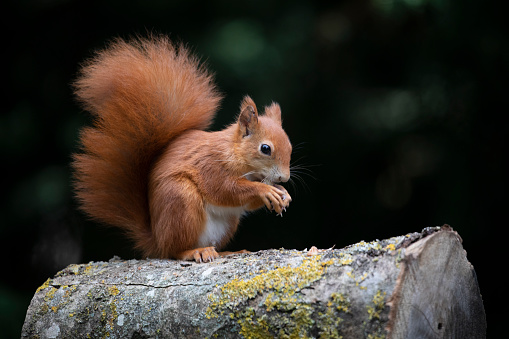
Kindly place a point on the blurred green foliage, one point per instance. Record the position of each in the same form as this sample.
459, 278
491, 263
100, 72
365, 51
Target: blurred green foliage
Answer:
396, 109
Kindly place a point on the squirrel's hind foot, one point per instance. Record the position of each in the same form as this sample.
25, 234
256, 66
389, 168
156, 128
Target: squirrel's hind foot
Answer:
200, 255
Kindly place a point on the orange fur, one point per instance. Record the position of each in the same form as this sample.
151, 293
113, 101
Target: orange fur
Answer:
147, 165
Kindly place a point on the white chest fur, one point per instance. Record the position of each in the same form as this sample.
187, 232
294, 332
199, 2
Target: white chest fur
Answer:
218, 224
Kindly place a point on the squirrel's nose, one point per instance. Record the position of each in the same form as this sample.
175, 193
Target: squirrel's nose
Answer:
284, 178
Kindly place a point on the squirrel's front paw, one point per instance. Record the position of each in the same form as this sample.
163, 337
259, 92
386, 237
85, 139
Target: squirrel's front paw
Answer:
286, 197
276, 198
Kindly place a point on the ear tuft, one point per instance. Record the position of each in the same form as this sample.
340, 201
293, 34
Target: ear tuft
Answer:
274, 112
247, 101
248, 118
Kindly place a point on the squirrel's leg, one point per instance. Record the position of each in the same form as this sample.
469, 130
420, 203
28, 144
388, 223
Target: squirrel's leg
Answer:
178, 220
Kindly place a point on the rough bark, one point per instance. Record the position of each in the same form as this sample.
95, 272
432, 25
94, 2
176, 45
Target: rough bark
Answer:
415, 286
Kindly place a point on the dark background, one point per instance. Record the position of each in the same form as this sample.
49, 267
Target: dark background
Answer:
396, 108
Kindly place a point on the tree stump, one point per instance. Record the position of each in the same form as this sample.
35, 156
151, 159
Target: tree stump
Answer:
415, 286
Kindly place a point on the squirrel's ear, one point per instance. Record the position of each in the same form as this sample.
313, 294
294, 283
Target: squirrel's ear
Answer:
274, 112
248, 118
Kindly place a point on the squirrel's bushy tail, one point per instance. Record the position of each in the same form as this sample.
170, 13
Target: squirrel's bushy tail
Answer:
142, 93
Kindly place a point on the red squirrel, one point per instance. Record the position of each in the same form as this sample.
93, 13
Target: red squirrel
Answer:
148, 165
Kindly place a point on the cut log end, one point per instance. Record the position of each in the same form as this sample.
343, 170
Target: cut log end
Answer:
413, 286
437, 294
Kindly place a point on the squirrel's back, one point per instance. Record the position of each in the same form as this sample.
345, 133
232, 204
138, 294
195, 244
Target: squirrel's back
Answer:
142, 94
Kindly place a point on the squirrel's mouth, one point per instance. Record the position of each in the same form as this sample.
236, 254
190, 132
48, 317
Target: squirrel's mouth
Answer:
259, 178
255, 177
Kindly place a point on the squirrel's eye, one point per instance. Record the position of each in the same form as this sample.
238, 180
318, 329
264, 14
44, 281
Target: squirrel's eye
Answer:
265, 149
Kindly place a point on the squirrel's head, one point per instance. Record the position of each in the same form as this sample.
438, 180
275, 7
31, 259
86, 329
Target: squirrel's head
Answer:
263, 145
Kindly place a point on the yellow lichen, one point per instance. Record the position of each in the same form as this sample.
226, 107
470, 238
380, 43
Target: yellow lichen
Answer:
340, 301
329, 323
278, 288
253, 327
68, 290
281, 288
302, 321
282, 282
376, 336
50, 294
88, 269
43, 286
113, 313
378, 305
358, 280
109, 315
390, 247
113, 290
344, 259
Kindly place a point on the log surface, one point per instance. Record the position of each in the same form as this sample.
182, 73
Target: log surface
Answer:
415, 286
